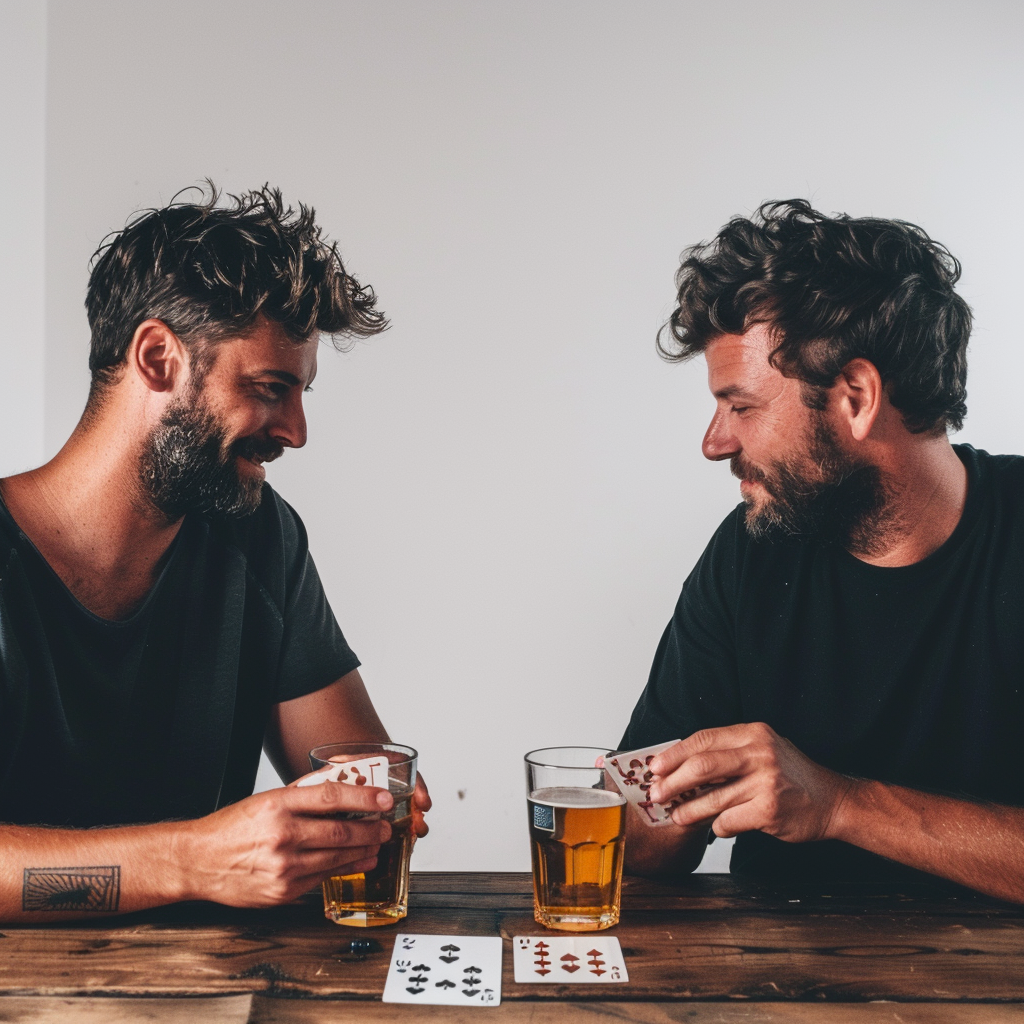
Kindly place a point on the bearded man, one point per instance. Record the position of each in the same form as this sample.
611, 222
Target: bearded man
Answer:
160, 616
844, 665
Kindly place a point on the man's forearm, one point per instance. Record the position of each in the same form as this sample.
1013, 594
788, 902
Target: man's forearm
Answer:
977, 845
341, 712
665, 850
49, 874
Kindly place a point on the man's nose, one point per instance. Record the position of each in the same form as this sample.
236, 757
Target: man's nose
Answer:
719, 442
289, 427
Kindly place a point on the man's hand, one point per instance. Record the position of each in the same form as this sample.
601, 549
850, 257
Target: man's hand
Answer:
759, 781
421, 803
274, 846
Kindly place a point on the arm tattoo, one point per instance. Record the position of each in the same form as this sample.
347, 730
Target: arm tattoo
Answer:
72, 888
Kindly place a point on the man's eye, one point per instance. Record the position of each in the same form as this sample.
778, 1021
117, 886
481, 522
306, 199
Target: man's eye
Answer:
273, 389
307, 389
739, 408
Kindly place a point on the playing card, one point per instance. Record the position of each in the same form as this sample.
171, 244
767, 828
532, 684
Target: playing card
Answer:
446, 970
368, 771
630, 770
581, 960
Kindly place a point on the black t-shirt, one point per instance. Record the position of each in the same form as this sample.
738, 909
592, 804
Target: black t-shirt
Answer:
911, 675
160, 715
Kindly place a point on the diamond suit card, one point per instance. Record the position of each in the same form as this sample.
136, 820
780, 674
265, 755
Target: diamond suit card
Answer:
561, 960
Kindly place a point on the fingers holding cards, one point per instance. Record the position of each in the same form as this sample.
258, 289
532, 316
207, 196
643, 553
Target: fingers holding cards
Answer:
632, 773
577, 960
367, 771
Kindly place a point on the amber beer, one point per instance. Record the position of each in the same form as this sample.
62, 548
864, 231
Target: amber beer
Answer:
577, 836
380, 896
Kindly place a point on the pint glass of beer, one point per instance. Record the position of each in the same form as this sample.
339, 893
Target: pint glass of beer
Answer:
577, 832
380, 896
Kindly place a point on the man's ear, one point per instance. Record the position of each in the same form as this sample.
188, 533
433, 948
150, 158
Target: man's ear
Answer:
859, 391
157, 356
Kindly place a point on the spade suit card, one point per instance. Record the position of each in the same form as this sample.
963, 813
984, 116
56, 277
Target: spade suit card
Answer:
580, 960
446, 970
630, 770
367, 771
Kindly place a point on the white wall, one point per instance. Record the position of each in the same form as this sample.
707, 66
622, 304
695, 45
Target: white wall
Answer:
22, 185
505, 492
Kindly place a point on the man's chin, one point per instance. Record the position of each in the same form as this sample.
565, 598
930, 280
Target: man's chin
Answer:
247, 499
237, 492
755, 498
761, 520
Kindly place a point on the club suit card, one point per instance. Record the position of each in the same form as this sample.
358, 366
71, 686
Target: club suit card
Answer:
446, 970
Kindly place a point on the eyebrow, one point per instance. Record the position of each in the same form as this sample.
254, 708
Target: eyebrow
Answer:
733, 391
282, 375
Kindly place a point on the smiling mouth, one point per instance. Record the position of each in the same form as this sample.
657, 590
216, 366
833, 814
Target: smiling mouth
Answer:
256, 452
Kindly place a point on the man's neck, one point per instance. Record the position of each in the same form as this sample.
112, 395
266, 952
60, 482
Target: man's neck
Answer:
926, 490
83, 512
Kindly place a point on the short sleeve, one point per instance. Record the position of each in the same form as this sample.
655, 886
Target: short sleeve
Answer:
314, 652
694, 680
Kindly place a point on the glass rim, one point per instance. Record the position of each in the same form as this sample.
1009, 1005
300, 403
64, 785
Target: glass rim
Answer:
600, 751
353, 748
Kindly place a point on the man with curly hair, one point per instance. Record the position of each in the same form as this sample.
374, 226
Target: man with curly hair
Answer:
844, 665
160, 616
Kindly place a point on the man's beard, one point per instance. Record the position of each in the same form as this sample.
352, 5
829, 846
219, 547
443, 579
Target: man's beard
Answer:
843, 503
188, 466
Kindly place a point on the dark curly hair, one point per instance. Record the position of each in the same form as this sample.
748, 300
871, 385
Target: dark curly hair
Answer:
209, 271
833, 289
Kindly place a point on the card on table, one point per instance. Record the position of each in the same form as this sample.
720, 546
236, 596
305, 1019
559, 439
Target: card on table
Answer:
579, 960
446, 970
367, 771
630, 770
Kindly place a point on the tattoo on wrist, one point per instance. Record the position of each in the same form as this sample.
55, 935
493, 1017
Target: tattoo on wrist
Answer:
89, 888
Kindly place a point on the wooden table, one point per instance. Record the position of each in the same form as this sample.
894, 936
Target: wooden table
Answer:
708, 950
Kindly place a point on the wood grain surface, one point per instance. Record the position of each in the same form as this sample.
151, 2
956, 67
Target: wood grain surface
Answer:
711, 939
266, 1010
43, 1010
280, 1011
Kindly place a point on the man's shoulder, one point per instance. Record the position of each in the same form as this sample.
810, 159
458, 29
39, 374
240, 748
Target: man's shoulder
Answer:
997, 476
1003, 469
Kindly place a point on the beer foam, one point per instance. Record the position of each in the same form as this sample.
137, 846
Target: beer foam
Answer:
569, 796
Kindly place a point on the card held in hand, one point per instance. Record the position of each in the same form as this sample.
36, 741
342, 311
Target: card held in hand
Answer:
630, 770
367, 771
445, 970
580, 960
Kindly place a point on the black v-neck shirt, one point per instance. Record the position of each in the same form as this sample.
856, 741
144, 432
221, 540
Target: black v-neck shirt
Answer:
911, 675
160, 715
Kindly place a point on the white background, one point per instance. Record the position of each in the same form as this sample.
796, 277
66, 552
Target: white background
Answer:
505, 492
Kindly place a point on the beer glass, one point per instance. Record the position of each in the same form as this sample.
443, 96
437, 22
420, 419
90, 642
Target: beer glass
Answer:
380, 896
577, 833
